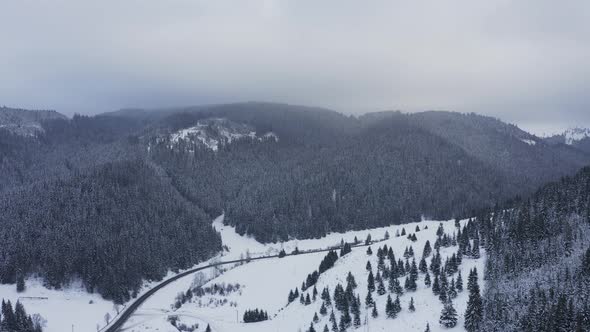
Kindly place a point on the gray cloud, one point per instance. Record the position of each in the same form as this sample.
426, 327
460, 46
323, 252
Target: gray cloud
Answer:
526, 61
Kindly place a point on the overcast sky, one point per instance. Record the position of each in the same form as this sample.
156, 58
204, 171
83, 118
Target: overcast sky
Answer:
525, 61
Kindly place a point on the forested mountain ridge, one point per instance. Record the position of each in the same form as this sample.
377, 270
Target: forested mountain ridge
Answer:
26, 122
538, 266
325, 172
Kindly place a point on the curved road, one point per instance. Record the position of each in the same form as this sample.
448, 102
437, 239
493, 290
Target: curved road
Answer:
120, 320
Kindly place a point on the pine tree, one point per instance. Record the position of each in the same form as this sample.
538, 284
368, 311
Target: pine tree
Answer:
368, 239
474, 311
459, 283
389, 308
397, 306
436, 285
448, 316
371, 282
452, 290
369, 300
316, 318
208, 329
356, 319
323, 309
427, 249
427, 281
332, 316
311, 328
440, 231
326, 328
307, 300
333, 321
427, 328
381, 287
423, 267
411, 306
350, 280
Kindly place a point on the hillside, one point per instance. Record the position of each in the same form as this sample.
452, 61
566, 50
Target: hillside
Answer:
281, 275
538, 268
26, 122
278, 172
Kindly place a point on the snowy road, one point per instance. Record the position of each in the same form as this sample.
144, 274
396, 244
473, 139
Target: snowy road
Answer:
118, 323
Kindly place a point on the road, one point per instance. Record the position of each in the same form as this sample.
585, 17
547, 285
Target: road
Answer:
121, 319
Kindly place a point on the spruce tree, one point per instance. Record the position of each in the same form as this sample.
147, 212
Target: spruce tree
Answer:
326, 328
381, 287
459, 283
311, 328
452, 289
371, 282
427, 281
397, 306
423, 266
389, 308
427, 249
323, 309
374, 312
307, 300
411, 306
335, 326
427, 328
436, 285
369, 300
474, 311
208, 329
316, 318
448, 316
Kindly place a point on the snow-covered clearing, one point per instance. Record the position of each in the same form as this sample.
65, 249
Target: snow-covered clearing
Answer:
265, 284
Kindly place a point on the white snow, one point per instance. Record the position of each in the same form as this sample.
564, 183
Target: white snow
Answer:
529, 141
62, 309
265, 284
573, 135
214, 132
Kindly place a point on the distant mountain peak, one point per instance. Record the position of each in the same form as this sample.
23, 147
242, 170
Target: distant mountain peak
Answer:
573, 135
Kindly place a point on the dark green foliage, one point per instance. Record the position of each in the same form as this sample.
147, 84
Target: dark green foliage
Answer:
141, 222
256, 315
17, 320
328, 261
448, 316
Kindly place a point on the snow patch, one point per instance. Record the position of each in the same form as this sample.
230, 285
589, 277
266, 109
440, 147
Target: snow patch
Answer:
215, 132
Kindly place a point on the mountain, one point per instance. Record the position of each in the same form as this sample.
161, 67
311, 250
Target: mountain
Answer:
26, 122
538, 260
277, 171
576, 137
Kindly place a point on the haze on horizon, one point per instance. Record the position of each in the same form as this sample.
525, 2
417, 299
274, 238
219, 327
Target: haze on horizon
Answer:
526, 62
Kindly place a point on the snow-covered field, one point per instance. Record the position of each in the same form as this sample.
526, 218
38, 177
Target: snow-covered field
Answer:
265, 285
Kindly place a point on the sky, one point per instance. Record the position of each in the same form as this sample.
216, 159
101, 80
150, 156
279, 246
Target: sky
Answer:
526, 62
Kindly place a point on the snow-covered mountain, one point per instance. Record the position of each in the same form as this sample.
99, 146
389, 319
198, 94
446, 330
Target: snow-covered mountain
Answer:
571, 136
213, 133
